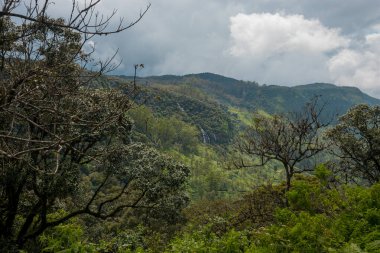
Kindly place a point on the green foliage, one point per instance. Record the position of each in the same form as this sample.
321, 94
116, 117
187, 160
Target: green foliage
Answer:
206, 114
164, 132
324, 220
320, 218
300, 196
210, 180
323, 173
357, 137
65, 238
300, 233
70, 238
169, 132
204, 240
253, 210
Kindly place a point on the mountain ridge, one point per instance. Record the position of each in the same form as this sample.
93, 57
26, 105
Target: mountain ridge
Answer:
251, 95
230, 80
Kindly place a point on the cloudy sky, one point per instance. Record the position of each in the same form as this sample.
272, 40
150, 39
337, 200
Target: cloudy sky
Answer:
284, 42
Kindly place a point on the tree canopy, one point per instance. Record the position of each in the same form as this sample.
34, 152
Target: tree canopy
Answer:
356, 141
64, 138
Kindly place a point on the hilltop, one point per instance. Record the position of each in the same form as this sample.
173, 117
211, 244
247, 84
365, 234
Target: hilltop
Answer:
270, 98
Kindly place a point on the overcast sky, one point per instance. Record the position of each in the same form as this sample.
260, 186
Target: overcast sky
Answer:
284, 42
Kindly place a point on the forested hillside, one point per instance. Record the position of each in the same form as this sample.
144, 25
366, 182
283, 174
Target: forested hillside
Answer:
239, 208
219, 106
91, 162
270, 98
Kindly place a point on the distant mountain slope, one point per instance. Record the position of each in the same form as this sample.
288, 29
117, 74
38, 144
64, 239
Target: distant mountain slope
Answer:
271, 98
220, 106
215, 123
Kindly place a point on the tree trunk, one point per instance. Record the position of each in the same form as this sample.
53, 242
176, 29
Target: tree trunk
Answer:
289, 175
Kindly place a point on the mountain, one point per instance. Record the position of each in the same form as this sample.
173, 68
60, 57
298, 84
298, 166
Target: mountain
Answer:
205, 100
271, 98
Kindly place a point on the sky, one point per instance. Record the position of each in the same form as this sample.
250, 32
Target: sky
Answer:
282, 42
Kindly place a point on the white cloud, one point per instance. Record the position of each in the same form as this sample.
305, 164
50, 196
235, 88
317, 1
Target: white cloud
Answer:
291, 49
268, 46
281, 49
359, 67
266, 35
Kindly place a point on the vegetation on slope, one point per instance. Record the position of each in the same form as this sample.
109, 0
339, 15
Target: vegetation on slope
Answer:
91, 164
270, 98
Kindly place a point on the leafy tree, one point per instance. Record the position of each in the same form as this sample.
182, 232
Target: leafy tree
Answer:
357, 139
65, 237
143, 119
324, 219
204, 240
289, 140
210, 116
319, 218
164, 132
64, 139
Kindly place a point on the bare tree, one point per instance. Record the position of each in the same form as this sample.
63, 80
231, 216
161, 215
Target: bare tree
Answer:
289, 139
83, 18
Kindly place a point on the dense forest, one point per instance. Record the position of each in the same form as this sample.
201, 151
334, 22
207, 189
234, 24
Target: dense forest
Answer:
92, 162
